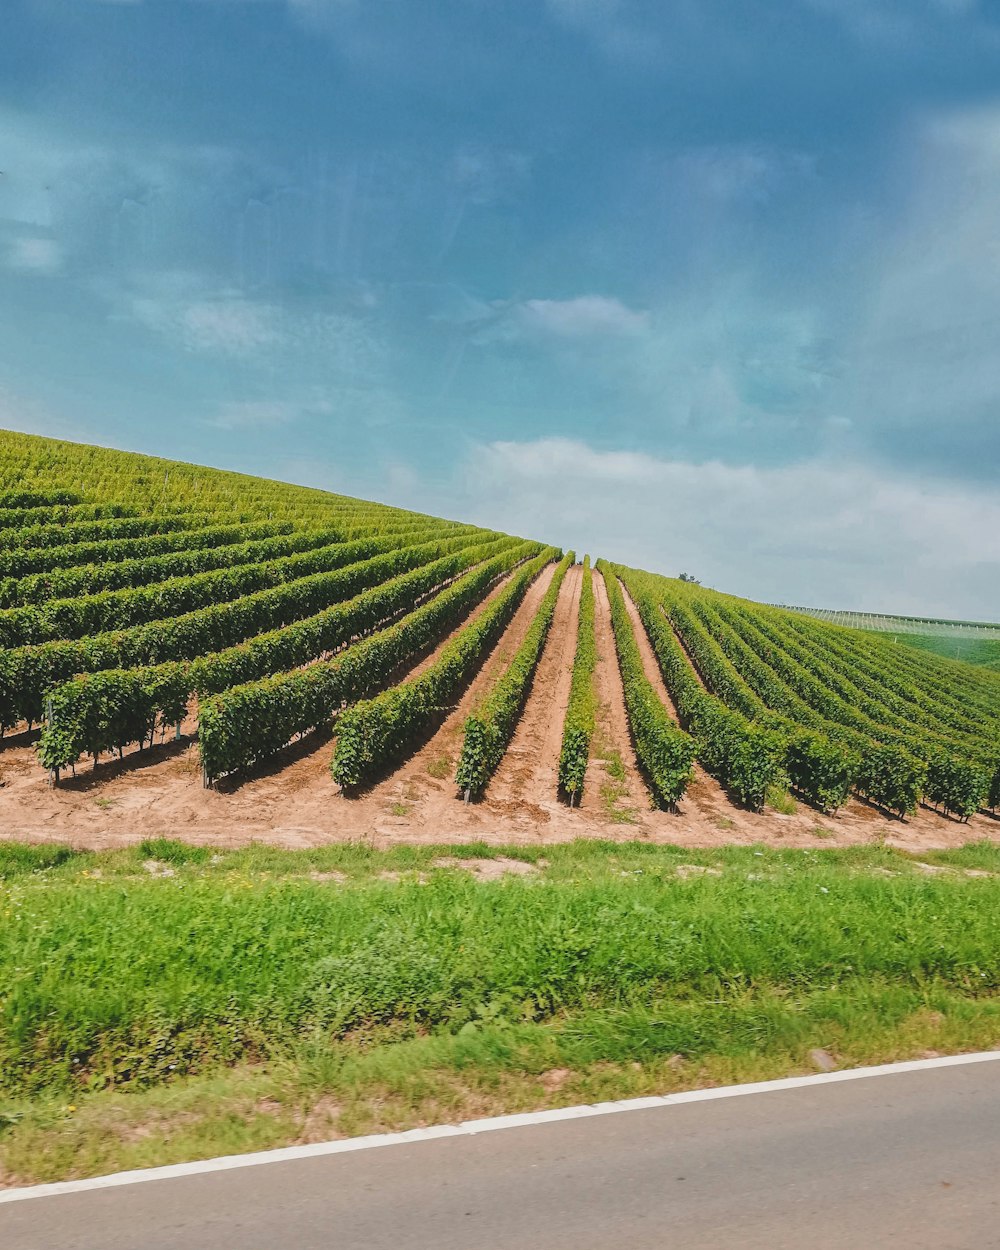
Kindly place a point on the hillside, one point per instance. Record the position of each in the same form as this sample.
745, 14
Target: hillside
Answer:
186, 650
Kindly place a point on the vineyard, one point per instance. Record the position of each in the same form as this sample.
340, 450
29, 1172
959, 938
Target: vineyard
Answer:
187, 650
906, 626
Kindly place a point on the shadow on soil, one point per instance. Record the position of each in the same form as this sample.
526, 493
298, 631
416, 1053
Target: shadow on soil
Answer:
87, 777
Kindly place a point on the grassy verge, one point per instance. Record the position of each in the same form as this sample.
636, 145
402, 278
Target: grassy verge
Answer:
167, 1002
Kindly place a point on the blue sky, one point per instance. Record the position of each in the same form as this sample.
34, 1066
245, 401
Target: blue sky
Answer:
709, 285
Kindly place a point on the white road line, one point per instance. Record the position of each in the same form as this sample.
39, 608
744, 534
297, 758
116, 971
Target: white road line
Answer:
469, 1128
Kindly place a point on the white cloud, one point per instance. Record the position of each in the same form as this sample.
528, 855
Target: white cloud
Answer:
262, 414
185, 307
229, 324
817, 533
540, 461
586, 316
584, 320
34, 254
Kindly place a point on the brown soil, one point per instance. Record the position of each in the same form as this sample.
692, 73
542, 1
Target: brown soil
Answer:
526, 783
624, 797
490, 869
296, 803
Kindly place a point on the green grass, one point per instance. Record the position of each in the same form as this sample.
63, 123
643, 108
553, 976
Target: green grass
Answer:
979, 651
614, 765
779, 800
320, 1090
612, 793
254, 998
614, 788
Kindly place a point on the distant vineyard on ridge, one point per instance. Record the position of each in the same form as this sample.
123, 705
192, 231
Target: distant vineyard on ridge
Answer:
880, 622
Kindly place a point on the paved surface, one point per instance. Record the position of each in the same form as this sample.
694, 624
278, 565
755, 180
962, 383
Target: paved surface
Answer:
904, 1160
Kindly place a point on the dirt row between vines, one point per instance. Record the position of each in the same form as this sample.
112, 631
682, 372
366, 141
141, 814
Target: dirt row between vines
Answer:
612, 787
526, 783
296, 803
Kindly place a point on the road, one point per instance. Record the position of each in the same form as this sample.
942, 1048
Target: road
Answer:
908, 1159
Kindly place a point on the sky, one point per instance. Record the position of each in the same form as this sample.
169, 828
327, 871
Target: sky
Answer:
699, 285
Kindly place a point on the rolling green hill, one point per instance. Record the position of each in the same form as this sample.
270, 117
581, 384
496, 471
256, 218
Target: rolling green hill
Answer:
138, 594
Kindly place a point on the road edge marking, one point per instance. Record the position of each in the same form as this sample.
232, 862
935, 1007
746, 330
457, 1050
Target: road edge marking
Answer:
471, 1128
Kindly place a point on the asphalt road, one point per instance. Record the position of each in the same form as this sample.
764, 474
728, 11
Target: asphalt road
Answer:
903, 1160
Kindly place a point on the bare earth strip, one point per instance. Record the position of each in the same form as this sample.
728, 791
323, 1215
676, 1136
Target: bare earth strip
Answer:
604, 794
297, 804
526, 783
